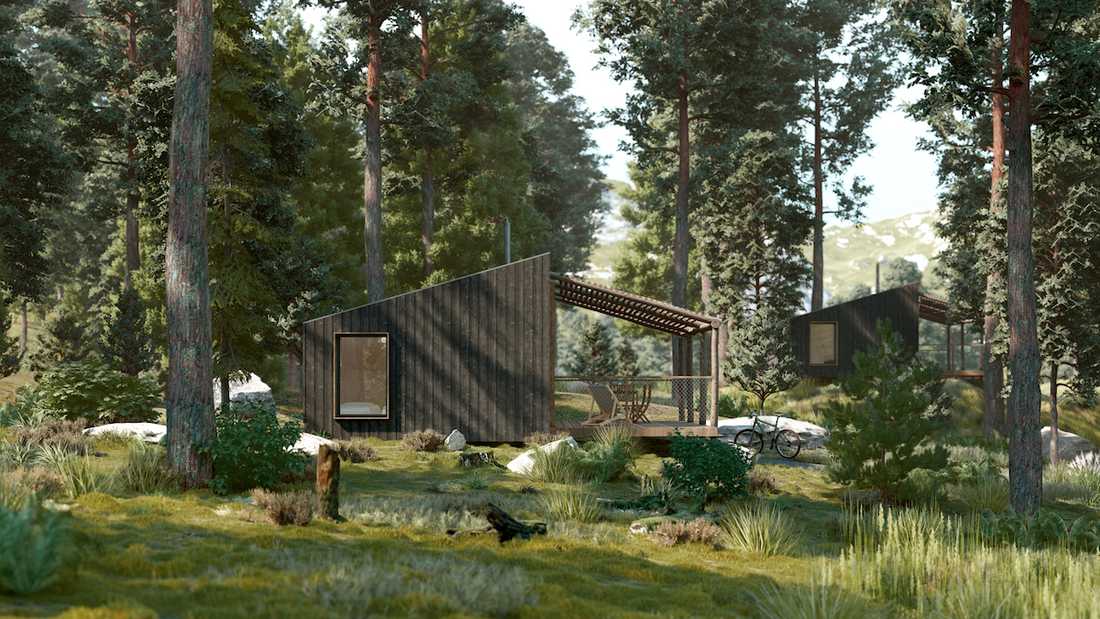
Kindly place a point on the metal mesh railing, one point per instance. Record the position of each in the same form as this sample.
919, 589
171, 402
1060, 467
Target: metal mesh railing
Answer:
641, 398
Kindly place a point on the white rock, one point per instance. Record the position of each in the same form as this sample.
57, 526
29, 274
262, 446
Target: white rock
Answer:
1070, 445
148, 432
154, 432
523, 463
813, 436
252, 390
455, 441
310, 443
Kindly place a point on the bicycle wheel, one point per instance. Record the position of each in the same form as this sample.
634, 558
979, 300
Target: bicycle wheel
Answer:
750, 439
788, 444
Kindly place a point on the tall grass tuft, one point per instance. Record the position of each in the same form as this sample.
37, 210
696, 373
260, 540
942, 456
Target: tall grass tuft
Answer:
1072, 482
572, 503
145, 470
759, 527
560, 466
77, 473
821, 599
939, 565
31, 544
609, 454
987, 493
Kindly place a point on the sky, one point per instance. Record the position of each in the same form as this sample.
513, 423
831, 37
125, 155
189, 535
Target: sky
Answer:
903, 178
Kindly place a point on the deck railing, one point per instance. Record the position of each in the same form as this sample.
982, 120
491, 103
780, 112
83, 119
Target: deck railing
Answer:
662, 398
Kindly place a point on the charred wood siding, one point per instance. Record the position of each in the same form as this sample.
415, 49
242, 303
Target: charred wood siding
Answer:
855, 327
475, 354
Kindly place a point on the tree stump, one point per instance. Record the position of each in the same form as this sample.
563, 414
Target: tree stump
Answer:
328, 482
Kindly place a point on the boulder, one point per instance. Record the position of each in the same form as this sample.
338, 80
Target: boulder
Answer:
310, 443
252, 390
148, 432
813, 436
523, 463
455, 441
1070, 445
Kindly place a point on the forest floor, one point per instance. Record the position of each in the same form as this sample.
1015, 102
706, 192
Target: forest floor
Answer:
196, 554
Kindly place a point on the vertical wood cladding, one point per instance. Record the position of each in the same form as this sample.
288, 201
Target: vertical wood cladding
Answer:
855, 327
474, 353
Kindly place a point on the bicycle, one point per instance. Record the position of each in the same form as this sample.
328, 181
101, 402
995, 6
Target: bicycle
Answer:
787, 443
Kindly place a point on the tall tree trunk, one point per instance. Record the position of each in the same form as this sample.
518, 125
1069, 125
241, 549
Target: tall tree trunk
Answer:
223, 391
372, 165
682, 241
1054, 412
1025, 464
427, 177
706, 287
817, 295
24, 334
190, 393
993, 418
133, 255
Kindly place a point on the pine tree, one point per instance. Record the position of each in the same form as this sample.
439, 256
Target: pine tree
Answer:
761, 360
66, 338
595, 355
897, 272
627, 358
125, 344
885, 431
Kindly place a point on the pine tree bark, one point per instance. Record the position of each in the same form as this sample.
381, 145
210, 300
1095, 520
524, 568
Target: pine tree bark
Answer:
1025, 464
24, 334
223, 392
190, 390
1054, 412
682, 240
427, 176
817, 294
993, 418
372, 165
133, 255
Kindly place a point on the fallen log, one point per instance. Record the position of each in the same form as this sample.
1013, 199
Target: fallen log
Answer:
505, 526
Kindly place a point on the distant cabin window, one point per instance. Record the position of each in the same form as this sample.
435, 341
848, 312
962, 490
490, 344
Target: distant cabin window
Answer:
362, 375
823, 343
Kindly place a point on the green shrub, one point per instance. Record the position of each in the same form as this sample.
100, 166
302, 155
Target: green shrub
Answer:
284, 508
146, 470
423, 440
574, 503
253, 450
730, 408
885, 432
96, 393
24, 411
698, 531
759, 527
356, 451
706, 469
1045, 529
31, 543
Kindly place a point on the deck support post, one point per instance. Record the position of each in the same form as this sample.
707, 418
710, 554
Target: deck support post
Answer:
949, 349
714, 377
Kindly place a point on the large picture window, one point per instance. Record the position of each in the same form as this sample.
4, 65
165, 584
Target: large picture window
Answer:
823, 343
362, 375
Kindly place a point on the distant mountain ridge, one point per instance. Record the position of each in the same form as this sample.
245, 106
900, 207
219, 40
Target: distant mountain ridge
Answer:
850, 251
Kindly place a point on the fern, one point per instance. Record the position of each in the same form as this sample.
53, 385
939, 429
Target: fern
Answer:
31, 544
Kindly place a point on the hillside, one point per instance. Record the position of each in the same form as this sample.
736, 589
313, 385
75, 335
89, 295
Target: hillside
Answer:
850, 251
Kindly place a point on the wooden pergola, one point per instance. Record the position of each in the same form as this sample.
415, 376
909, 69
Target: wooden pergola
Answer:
653, 314
939, 311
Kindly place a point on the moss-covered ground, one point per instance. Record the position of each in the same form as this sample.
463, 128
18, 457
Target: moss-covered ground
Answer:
196, 554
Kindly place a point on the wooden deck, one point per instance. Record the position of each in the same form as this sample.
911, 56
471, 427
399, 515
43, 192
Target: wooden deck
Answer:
655, 429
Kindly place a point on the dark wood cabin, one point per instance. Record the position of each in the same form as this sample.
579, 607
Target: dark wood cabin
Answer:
475, 353
478, 354
825, 341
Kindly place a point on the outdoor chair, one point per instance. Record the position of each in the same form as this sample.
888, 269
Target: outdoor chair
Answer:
604, 398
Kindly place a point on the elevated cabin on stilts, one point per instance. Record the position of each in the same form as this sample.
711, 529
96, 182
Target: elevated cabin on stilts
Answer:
478, 354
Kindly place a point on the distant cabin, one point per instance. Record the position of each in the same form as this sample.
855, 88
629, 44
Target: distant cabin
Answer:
825, 342
478, 354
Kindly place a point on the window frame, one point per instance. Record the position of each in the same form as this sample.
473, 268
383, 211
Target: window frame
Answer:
336, 337
836, 344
